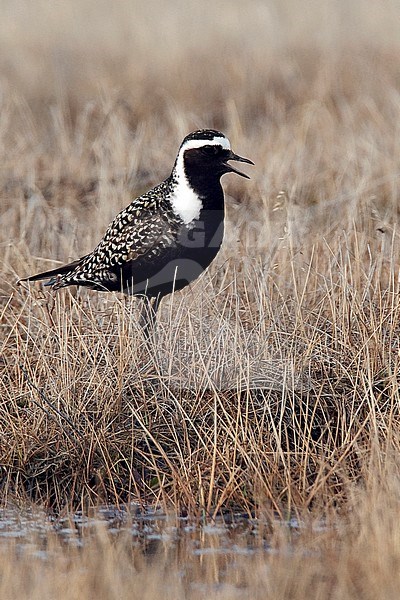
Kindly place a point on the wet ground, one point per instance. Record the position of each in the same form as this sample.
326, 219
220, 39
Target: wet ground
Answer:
148, 531
203, 555
229, 558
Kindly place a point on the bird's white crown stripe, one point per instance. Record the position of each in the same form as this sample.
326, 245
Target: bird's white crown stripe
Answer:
217, 141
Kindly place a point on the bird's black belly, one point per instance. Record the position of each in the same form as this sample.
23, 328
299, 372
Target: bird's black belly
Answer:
178, 265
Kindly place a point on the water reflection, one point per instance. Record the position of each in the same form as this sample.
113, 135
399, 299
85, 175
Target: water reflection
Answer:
150, 532
130, 546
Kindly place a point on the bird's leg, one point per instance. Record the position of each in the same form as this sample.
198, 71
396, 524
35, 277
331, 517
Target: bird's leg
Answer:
156, 303
148, 315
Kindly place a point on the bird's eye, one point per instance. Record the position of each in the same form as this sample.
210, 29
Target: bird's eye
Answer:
210, 150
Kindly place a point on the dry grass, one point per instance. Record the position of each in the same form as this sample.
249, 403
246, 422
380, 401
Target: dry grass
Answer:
273, 386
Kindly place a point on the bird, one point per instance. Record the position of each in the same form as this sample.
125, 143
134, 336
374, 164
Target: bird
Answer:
165, 238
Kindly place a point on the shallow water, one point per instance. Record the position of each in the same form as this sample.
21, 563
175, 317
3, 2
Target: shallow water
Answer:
148, 531
131, 548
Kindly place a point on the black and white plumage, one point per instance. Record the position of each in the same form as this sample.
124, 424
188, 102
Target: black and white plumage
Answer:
168, 236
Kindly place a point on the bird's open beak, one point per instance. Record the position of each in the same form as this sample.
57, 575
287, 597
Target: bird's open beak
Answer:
231, 169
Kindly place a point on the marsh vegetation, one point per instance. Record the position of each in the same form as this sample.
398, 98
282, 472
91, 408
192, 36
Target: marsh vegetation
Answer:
272, 388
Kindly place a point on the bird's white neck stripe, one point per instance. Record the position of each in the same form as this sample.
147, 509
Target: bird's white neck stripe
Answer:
185, 202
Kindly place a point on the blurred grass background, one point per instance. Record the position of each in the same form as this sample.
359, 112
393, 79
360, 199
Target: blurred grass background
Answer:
93, 94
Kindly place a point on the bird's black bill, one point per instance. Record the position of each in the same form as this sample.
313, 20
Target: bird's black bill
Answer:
232, 169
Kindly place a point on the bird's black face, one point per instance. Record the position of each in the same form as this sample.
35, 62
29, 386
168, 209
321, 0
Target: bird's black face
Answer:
212, 159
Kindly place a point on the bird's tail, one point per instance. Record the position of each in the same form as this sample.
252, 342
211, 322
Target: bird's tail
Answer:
55, 276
